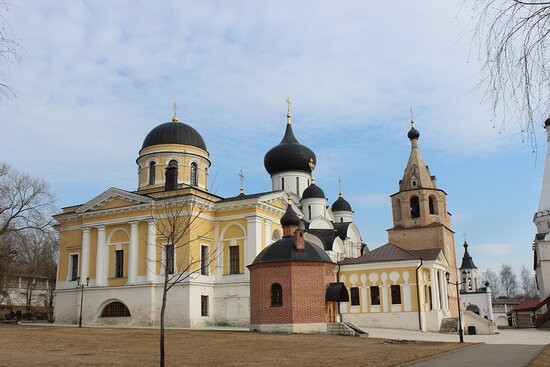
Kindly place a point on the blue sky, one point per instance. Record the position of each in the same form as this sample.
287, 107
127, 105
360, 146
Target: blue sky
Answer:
97, 76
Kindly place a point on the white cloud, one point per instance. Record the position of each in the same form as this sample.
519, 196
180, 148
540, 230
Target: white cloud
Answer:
494, 248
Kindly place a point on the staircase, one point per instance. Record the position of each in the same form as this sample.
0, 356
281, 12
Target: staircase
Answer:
339, 328
357, 329
449, 325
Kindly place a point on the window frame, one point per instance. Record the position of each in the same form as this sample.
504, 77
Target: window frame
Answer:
395, 291
204, 305
119, 264
415, 209
193, 174
234, 261
276, 295
170, 254
205, 260
375, 301
152, 172
109, 310
73, 276
354, 298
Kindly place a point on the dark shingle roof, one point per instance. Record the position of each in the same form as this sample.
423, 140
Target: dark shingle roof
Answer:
290, 218
467, 262
313, 191
250, 196
342, 229
341, 205
174, 133
284, 250
326, 236
391, 252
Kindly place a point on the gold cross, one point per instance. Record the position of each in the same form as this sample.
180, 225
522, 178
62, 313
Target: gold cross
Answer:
340, 186
175, 108
412, 118
288, 110
464, 235
241, 175
312, 167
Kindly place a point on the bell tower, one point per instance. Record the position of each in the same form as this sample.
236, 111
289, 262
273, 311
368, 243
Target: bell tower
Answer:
420, 217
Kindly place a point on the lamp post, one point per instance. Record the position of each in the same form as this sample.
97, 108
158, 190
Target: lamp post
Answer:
81, 285
460, 331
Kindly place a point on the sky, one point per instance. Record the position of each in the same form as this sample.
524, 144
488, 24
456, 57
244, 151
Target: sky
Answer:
97, 76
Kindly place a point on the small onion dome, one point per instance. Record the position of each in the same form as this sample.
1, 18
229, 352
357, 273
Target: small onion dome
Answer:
413, 134
547, 122
341, 205
290, 218
289, 155
284, 250
174, 133
313, 192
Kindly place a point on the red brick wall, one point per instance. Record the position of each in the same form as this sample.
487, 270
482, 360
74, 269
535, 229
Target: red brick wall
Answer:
304, 285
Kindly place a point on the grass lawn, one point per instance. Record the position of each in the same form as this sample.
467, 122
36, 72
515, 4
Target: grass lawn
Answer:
68, 346
543, 359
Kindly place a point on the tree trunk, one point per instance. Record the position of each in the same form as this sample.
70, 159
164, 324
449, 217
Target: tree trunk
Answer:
162, 309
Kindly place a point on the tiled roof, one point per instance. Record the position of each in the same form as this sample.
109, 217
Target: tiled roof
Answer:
527, 305
391, 252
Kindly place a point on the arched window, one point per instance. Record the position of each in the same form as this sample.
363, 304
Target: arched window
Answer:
152, 173
193, 179
276, 295
398, 214
115, 309
171, 182
432, 201
415, 207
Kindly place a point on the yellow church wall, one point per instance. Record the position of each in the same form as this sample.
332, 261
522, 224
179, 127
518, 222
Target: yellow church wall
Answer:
400, 281
71, 243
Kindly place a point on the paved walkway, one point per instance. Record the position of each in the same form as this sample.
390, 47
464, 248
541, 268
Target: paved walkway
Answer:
505, 336
487, 355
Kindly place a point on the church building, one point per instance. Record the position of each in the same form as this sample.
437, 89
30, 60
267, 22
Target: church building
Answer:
280, 260
120, 244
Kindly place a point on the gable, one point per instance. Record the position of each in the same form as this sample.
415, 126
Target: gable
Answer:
113, 198
114, 203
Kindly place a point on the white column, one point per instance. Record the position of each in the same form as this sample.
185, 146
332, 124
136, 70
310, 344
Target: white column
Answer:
446, 290
441, 279
385, 298
253, 243
85, 261
435, 299
100, 266
364, 301
151, 263
267, 233
218, 251
133, 253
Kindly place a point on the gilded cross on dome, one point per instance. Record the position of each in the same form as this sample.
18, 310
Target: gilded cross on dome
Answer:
175, 108
288, 103
241, 175
412, 119
339, 186
311, 168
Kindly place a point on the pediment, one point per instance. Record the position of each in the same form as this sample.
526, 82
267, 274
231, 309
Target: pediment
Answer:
112, 199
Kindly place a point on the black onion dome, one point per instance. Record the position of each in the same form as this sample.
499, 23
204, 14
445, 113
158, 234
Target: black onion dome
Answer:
289, 155
174, 133
341, 205
290, 218
413, 134
313, 192
467, 262
547, 122
284, 250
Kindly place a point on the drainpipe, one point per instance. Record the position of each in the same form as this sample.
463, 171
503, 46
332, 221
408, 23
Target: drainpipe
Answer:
337, 279
418, 296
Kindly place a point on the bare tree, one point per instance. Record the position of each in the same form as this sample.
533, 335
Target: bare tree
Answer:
509, 281
494, 282
528, 285
7, 258
178, 229
25, 202
512, 36
10, 52
48, 265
